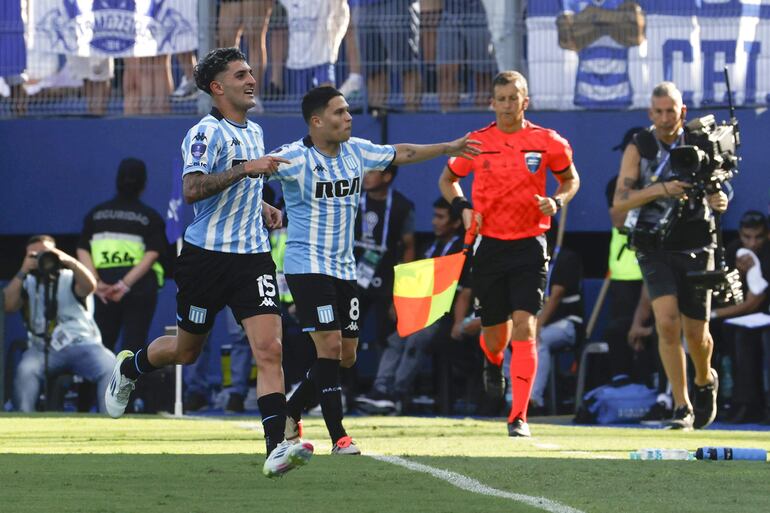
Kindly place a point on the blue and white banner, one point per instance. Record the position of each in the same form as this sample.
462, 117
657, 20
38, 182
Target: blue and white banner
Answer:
113, 28
609, 54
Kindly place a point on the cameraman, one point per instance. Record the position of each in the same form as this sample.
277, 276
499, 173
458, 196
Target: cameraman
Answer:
57, 306
646, 176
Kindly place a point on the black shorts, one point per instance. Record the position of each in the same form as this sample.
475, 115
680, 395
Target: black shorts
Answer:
665, 274
325, 303
209, 280
508, 275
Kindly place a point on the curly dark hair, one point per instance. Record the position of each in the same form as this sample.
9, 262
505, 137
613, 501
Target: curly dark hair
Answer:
212, 64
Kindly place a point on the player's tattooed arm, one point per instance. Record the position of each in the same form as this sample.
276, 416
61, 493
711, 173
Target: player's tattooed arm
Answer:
199, 186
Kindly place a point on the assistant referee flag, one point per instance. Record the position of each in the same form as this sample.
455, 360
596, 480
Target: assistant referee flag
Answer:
423, 290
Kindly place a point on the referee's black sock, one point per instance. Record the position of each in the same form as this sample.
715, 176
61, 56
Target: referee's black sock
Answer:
302, 397
326, 377
273, 410
132, 368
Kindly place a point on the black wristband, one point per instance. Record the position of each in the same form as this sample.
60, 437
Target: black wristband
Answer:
558, 201
459, 204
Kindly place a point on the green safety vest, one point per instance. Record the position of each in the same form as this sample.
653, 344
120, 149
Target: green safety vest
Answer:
112, 249
622, 260
278, 251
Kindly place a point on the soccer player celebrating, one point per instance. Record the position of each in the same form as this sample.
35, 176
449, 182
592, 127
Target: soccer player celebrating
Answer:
510, 263
226, 258
322, 188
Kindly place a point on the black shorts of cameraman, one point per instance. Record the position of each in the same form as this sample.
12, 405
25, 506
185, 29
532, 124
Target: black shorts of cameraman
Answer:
665, 273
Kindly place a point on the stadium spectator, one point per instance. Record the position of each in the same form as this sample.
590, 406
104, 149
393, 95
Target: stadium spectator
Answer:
147, 85
13, 58
225, 259
430, 16
560, 322
750, 254
401, 358
97, 74
504, 28
351, 87
464, 47
279, 48
679, 305
186, 90
55, 293
121, 243
316, 30
510, 263
249, 19
319, 266
388, 34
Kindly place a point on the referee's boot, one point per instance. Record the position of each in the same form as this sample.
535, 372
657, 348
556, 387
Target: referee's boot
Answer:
120, 388
494, 381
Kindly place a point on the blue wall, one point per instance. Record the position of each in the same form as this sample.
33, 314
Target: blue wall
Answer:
65, 166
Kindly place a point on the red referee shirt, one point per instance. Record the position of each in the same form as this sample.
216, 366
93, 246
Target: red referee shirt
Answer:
509, 172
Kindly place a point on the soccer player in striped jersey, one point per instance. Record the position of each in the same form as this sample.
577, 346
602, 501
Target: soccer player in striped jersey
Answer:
226, 258
510, 263
322, 187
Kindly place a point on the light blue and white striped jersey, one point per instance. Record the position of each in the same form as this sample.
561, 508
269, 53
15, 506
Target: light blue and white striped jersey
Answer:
322, 195
230, 221
602, 78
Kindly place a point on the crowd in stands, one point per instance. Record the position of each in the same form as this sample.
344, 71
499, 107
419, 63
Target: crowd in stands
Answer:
383, 54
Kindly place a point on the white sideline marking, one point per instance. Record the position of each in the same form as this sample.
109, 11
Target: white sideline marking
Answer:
471, 485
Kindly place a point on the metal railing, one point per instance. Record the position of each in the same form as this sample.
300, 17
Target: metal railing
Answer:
60, 59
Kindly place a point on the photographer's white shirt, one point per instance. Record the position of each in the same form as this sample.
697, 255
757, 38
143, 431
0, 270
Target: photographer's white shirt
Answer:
74, 316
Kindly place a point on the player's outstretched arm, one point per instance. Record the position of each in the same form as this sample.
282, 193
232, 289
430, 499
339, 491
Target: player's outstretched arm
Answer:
198, 186
410, 153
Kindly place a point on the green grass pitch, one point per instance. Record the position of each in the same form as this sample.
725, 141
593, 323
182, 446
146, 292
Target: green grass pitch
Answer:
85, 463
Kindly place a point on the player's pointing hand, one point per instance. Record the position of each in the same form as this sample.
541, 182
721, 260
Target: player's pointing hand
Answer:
266, 165
464, 147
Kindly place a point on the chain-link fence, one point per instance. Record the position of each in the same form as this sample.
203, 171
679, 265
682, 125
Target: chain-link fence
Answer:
116, 57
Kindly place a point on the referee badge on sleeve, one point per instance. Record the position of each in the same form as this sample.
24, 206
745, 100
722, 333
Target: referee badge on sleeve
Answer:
197, 315
325, 314
533, 160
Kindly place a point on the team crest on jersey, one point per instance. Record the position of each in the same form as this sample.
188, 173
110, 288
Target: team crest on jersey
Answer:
533, 160
198, 150
350, 162
325, 314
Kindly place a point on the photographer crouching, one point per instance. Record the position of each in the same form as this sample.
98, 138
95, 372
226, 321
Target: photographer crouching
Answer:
55, 294
672, 199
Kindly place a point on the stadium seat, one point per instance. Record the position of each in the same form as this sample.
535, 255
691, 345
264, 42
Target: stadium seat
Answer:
589, 349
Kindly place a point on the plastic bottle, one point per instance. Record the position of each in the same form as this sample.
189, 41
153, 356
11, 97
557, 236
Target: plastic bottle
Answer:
661, 454
730, 453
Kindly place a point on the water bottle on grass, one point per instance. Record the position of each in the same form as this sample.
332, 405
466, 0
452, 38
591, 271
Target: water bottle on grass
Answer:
661, 454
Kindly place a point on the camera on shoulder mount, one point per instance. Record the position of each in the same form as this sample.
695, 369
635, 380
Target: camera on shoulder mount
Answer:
709, 159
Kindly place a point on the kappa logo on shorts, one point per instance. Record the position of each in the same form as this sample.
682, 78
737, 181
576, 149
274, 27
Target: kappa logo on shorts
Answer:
325, 314
353, 326
197, 315
533, 160
267, 302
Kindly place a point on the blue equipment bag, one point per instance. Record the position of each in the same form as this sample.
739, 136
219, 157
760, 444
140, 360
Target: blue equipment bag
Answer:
619, 402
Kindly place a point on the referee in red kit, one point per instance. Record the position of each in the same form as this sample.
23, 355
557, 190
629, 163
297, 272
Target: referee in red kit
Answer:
511, 263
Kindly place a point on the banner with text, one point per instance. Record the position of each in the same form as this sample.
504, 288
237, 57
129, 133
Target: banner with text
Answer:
113, 28
609, 54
